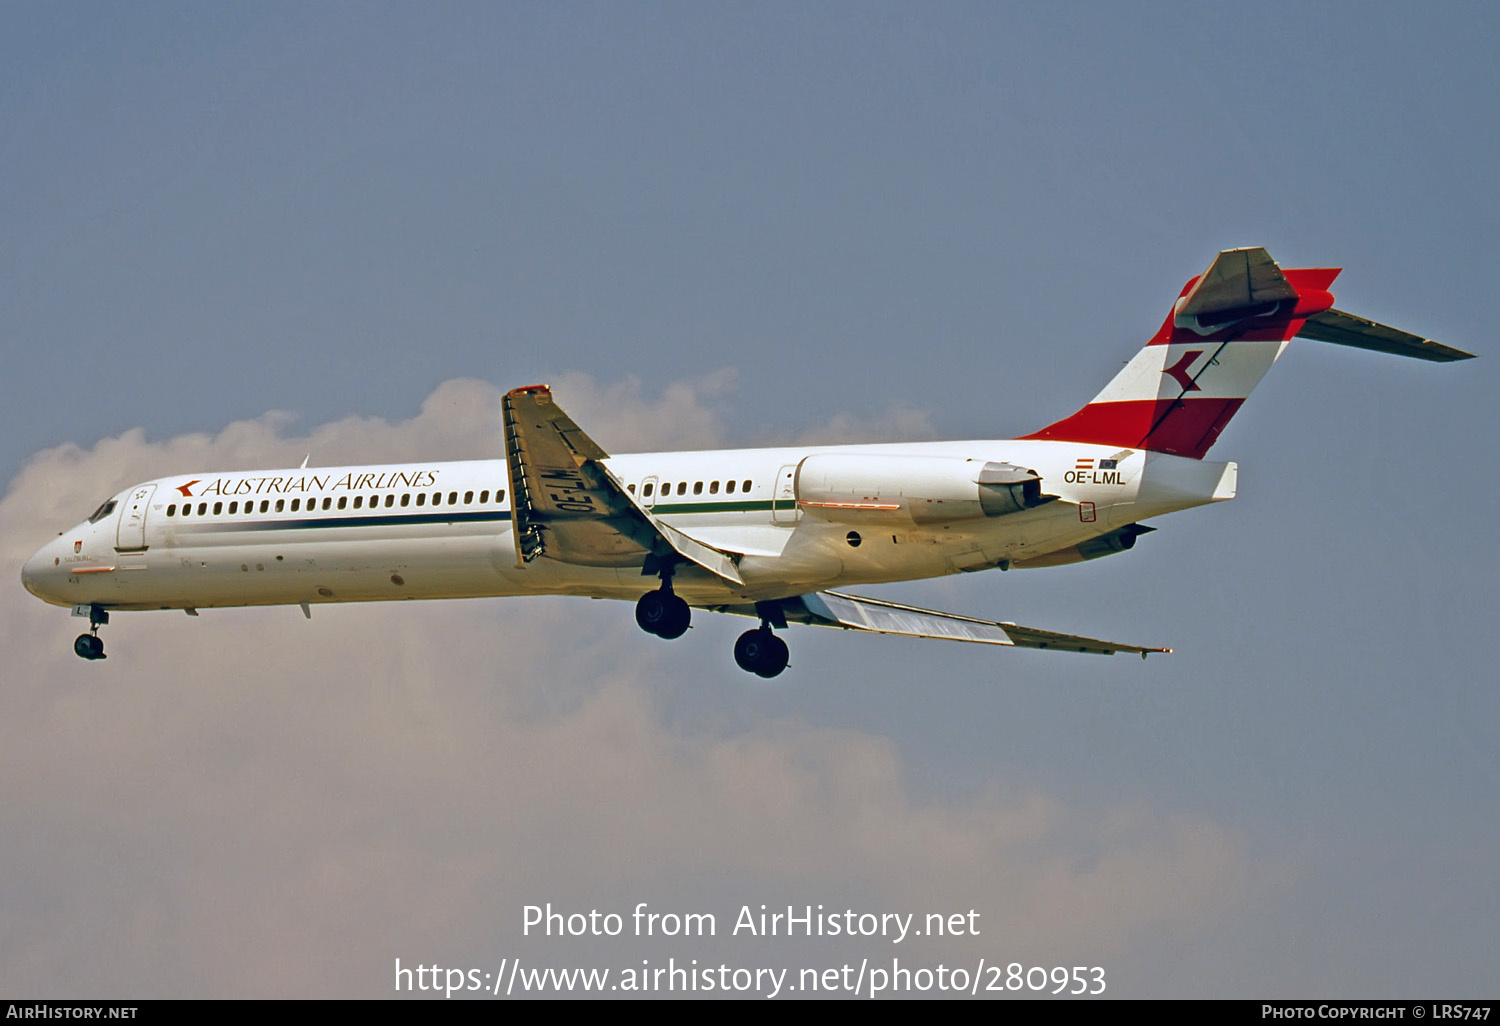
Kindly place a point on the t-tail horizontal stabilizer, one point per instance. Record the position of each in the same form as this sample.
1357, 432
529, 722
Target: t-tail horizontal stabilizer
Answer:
1347, 330
854, 612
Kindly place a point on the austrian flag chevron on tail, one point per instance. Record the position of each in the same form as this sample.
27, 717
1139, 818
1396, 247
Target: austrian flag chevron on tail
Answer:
1225, 330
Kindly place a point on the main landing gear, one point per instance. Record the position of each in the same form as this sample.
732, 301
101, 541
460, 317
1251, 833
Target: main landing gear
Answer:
761, 652
89, 646
758, 651
662, 613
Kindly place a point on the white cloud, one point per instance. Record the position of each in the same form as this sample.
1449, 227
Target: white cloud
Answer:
251, 804
901, 424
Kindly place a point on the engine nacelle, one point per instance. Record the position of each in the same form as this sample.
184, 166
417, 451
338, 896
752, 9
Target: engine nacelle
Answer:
876, 487
1119, 540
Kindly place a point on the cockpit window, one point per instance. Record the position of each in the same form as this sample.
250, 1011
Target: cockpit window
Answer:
102, 512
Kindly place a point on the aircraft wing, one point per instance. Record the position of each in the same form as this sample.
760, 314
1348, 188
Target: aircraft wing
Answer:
566, 504
855, 612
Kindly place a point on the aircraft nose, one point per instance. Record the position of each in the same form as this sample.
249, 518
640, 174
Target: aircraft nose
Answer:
38, 572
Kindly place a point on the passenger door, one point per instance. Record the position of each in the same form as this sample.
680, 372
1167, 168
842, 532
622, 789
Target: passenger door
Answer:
784, 497
132, 531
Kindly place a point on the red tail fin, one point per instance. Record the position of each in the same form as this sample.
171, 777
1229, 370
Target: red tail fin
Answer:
1225, 330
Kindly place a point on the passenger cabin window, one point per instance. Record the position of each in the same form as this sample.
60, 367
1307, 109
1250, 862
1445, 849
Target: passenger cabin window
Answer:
421, 498
713, 488
453, 498
202, 508
484, 496
218, 508
390, 500
646, 488
681, 487
234, 507
729, 486
172, 510
343, 501
280, 503
405, 499
359, 501
630, 488
296, 504
468, 498
697, 487
746, 486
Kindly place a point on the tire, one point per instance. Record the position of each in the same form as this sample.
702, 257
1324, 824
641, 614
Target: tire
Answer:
663, 614
747, 650
651, 612
760, 652
677, 620
777, 655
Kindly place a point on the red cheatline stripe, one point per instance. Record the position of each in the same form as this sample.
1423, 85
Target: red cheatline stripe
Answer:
849, 505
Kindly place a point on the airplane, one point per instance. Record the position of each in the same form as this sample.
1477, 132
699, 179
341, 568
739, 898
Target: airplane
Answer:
764, 533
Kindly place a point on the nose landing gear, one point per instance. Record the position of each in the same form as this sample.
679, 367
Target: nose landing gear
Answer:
90, 646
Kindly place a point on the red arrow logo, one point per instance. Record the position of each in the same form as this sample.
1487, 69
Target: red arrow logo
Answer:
183, 488
1179, 371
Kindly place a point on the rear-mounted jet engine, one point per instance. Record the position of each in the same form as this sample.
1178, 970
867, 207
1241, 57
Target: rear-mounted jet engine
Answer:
878, 487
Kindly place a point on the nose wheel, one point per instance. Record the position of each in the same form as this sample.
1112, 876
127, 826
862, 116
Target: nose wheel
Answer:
90, 646
760, 652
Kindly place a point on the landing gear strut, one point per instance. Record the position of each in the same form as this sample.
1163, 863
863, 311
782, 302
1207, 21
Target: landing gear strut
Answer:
761, 652
662, 613
89, 646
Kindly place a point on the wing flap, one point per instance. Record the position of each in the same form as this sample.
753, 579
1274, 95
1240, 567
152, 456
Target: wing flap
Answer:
1344, 329
709, 558
855, 612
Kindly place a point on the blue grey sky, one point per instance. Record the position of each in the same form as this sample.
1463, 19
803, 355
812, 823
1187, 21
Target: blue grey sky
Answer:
236, 234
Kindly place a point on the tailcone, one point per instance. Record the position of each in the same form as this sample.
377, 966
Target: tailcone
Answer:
1171, 483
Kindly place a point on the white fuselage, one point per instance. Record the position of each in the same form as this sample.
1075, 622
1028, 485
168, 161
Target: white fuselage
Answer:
443, 530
